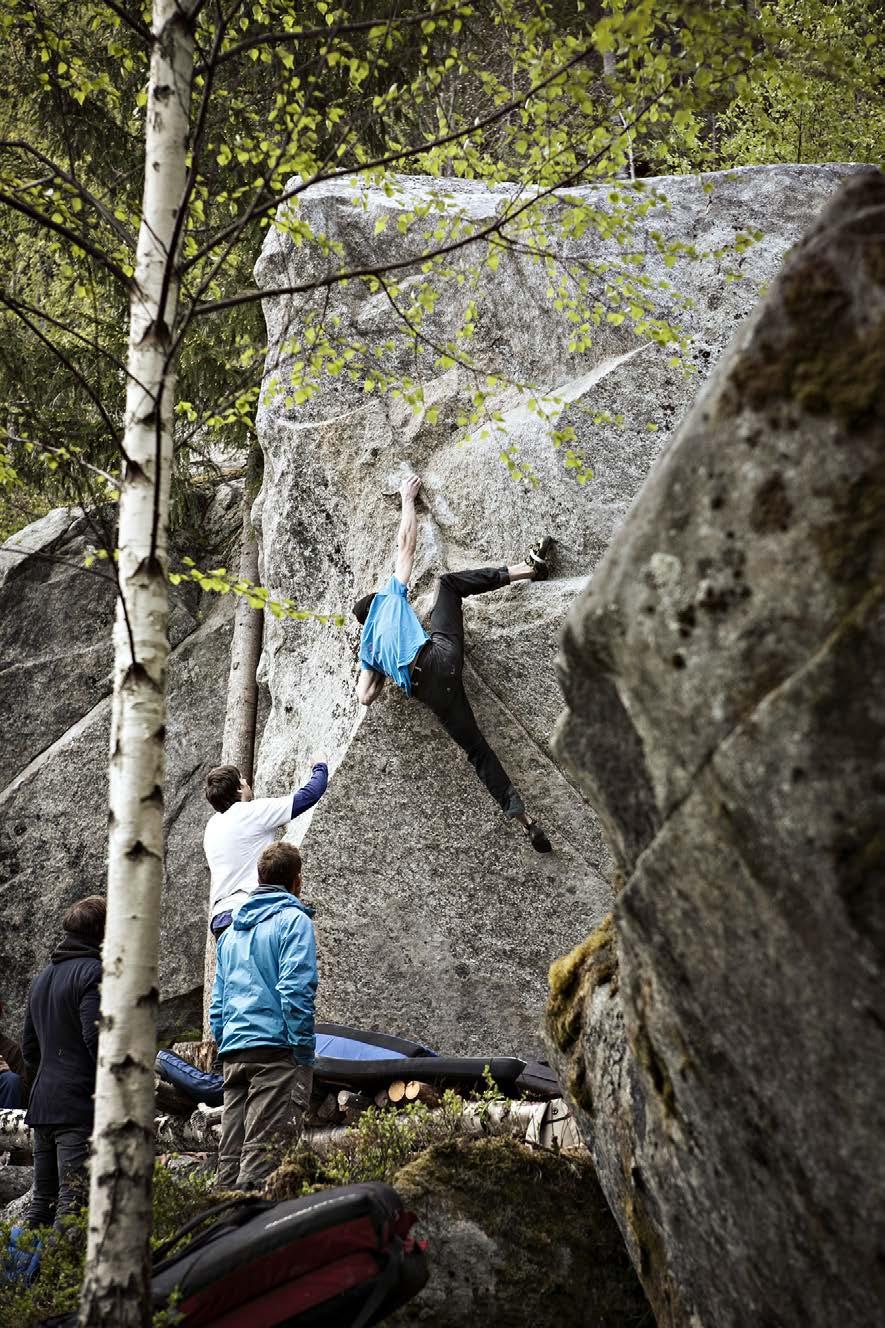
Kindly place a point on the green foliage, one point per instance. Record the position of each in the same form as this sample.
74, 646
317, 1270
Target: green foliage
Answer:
219, 581
382, 1141
177, 1197
379, 1144
294, 95
57, 1286
20, 503
818, 94
534, 97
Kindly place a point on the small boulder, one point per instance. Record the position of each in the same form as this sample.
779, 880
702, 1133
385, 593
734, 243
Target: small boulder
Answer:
517, 1237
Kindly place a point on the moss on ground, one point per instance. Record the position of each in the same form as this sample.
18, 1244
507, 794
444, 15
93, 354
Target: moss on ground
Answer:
559, 1256
374, 1149
177, 1197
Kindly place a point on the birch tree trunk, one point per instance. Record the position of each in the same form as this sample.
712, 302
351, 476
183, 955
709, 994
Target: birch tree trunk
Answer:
116, 1281
238, 741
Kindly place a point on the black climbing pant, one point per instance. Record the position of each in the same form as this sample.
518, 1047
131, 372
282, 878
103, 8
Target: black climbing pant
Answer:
437, 679
61, 1181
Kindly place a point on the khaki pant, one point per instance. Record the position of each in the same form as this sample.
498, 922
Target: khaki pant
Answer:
265, 1097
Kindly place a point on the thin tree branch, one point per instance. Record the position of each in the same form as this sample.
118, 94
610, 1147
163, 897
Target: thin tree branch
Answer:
123, 233
251, 211
404, 154
14, 304
72, 370
132, 21
33, 214
190, 179
283, 37
494, 228
66, 455
56, 558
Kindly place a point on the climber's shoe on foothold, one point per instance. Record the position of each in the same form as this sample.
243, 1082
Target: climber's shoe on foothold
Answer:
537, 558
514, 806
537, 838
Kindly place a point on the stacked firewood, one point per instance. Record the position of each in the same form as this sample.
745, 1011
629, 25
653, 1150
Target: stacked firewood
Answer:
345, 1106
328, 1106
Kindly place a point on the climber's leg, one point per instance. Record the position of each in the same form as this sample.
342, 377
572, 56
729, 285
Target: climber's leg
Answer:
446, 623
448, 701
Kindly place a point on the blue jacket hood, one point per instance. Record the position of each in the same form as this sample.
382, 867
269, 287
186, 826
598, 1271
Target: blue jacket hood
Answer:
264, 904
264, 993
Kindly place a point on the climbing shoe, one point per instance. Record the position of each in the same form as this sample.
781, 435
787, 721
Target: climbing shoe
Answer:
514, 805
537, 838
537, 558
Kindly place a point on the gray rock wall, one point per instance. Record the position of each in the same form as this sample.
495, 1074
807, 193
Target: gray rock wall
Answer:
55, 682
435, 918
725, 1035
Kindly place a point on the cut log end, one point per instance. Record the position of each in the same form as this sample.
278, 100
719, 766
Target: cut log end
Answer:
396, 1091
417, 1091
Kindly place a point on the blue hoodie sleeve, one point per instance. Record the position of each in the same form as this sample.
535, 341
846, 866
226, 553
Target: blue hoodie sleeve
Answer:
312, 791
216, 1004
297, 983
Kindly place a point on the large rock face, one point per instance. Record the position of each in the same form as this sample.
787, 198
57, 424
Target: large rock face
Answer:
55, 647
725, 676
516, 1237
435, 917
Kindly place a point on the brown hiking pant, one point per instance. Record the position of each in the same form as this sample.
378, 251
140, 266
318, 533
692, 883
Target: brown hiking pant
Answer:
265, 1097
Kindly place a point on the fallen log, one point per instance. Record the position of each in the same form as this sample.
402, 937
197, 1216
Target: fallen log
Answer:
352, 1105
544, 1124
327, 1112
204, 1055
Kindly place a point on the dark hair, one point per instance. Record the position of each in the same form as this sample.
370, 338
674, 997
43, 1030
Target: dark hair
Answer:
223, 786
362, 606
279, 864
86, 918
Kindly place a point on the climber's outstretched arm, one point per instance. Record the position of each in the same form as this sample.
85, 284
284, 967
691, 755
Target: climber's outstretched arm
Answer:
407, 539
369, 686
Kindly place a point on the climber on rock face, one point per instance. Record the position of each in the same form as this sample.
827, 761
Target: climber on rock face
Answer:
429, 665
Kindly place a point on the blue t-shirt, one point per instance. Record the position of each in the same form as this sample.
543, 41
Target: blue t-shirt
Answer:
392, 635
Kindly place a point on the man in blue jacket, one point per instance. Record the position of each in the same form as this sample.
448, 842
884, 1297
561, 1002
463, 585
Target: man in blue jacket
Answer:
60, 1048
262, 1018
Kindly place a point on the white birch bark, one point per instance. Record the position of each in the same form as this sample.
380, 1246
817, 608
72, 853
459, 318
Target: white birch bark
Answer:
116, 1280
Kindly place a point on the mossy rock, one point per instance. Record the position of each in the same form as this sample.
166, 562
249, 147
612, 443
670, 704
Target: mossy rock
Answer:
574, 977
517, 1237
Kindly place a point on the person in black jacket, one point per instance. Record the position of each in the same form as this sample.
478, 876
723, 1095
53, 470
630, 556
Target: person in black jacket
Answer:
60, 1048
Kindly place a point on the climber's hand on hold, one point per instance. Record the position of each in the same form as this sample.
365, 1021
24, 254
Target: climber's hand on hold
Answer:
319, 758
409, 488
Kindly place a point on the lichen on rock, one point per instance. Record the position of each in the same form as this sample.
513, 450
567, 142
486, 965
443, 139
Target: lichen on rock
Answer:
737, 1074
